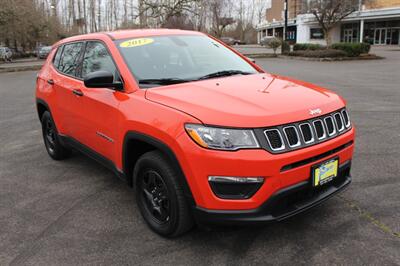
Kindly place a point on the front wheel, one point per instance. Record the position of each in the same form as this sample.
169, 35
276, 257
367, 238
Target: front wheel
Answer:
159, 196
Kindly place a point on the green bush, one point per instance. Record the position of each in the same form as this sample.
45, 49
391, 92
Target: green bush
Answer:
352, 49
307, 46
325, 53
274, 44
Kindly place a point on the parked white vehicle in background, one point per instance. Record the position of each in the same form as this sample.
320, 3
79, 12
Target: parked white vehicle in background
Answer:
5, 54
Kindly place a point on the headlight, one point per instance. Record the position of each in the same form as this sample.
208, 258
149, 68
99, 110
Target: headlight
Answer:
222, 138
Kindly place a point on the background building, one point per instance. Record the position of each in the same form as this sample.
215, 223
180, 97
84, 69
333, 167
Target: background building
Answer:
376, 22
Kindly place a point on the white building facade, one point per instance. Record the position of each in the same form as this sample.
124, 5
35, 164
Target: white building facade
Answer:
379, 26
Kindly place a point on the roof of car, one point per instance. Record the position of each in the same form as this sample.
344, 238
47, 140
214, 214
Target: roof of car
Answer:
124, 34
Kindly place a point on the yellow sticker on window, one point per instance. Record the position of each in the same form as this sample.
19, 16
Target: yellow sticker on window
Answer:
136, 42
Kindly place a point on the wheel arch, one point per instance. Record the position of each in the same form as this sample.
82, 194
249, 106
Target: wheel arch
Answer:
41, 107
135, 144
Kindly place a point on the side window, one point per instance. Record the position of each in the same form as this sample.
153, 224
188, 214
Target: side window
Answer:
97, 58
70, 58
57, 57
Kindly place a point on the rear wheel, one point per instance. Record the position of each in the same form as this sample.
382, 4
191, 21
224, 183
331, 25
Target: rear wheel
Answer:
51, 139
159, 196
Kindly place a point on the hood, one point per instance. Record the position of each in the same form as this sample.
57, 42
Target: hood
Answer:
259, 100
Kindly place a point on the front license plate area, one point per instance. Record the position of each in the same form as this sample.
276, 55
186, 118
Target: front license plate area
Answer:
325, 172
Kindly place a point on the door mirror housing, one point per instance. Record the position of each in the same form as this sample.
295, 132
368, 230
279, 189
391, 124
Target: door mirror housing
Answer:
101, 79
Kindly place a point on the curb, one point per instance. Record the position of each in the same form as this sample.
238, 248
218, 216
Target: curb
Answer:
261, 55
18, 69
330, 59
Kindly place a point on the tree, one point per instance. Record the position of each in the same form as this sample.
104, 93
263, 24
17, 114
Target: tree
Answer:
221, 11
260, 7
164, 12
329, 13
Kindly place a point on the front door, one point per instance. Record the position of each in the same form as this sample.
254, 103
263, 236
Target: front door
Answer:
100, 115
380, 36
395, 36
348, 35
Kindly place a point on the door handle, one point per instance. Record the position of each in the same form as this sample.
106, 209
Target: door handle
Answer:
77, 92
50, 81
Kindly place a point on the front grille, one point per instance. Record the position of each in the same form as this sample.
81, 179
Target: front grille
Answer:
306, 133
275, 140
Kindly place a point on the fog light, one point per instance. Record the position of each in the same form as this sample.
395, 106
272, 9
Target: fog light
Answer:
231, 187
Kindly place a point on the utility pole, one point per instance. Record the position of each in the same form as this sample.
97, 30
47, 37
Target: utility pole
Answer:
286, 26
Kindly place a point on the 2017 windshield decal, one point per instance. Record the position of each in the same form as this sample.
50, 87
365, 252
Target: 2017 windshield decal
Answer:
136, 42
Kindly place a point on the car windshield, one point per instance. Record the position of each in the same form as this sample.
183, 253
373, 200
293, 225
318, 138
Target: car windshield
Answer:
164, 60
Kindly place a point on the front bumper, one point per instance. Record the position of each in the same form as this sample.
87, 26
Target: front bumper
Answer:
279, 171
282, 204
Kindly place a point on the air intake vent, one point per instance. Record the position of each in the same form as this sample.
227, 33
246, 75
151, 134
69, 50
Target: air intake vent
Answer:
292, 136
339, 121
275, 139
307, 133
319, 129
346, 118
330, 126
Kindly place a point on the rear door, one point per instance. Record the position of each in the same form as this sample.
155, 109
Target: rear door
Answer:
99, 113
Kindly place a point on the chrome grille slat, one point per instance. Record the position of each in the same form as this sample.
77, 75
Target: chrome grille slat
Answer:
321, 124
272, 141
330, 126
301, 134
339, 121
346, 118
307, 133
289, 138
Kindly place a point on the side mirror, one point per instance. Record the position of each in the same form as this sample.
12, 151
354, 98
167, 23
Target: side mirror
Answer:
101, 79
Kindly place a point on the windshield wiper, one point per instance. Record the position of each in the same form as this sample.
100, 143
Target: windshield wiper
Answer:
164, 81
224, 73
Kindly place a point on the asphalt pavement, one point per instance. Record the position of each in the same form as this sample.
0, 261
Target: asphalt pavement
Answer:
76, 212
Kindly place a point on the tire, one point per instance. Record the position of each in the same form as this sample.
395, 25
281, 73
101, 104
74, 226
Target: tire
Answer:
51, 139
159, 196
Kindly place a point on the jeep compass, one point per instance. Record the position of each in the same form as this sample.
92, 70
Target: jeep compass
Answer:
200, 132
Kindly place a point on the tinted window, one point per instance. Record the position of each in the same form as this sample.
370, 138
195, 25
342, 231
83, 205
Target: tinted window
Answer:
57, 57
97, 58
70, 58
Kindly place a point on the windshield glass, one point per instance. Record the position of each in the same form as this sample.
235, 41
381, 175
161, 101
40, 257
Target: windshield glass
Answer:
180, 58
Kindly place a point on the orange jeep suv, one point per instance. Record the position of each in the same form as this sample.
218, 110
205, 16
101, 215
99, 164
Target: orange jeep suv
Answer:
201, 133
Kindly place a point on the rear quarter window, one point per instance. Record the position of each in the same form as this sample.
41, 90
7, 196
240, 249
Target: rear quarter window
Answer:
57, 57
70, 58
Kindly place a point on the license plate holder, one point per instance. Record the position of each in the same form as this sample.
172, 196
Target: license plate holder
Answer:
325, 172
